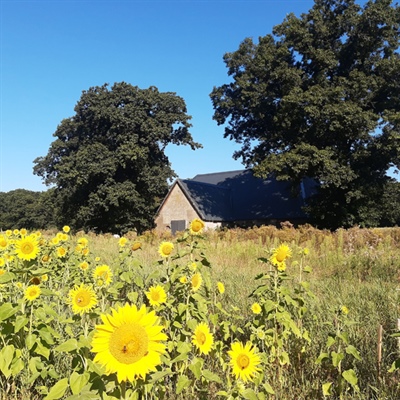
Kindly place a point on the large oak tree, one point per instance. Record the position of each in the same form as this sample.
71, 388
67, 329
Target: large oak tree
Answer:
320, 98
107, 164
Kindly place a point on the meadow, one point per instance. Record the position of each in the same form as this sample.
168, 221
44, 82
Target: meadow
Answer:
262, 313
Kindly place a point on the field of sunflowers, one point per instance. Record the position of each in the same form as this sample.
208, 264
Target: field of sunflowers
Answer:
77, 325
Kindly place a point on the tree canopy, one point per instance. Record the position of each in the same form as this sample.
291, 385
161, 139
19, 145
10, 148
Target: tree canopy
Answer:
107, 164
320, 98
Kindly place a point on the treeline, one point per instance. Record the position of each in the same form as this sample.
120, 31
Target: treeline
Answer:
22, 208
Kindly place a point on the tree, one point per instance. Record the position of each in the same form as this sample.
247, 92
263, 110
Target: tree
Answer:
22, 208
319, 98
108, 164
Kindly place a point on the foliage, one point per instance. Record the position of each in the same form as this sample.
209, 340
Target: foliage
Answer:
319, 98
28, 209
108, 163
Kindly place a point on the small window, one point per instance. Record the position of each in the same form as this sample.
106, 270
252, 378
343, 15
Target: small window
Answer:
178, 225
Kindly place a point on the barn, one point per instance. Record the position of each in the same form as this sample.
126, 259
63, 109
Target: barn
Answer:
232, 198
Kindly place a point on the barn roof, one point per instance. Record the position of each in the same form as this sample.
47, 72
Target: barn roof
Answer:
239, 195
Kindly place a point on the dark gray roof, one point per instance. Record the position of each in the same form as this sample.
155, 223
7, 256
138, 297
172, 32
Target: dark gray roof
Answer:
240, 196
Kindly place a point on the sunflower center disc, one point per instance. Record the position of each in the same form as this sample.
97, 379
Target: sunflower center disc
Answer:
155, 296
129, 343
26, 248
201, 337
243, 361
82, 299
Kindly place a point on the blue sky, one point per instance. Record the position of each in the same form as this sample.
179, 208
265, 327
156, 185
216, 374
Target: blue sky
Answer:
53, 50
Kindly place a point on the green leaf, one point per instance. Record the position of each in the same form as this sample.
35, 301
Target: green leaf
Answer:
68, 346
330, 341
6, 357
78, 381
30, 340
58, 390
336, 358
268, 388
183, 382
353, 351
321, 357
20, 322
210, 376
156, 376
196, 366
350, 377
327, 389
249, 394
7, 310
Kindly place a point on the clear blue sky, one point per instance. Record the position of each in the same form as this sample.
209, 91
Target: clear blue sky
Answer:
53, 50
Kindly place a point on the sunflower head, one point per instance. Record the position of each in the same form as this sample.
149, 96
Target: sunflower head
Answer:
202, 338
256, 308
280, 254
128, 342
244, 361
165, 249
122, 241
32, 292
221, 287
66, 229
196, 226
61, 252
103, 273
136, 246
84, 265
156, 295
82, 299
196, 281
27, 248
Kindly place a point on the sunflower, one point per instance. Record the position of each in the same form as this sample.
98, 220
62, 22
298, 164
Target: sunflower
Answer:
196, 281
84, 265
256, 308
196, 226
2, 271
8, 232
244, 361
83, 242
280, 255
2, 262
122, 241
45, 278
221, 287
103, 273
23, 232
66, 229
156, 295
165, 249
128, 342
32, 292
82, 299
183, 279
27, 248
202, 338
61, 252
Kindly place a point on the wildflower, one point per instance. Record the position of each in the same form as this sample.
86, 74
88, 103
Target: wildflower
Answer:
196, 226
202, 338
32, 292
82, 299
45, 278
196, 281
8, 232
344, 310
221, 287
66, 229
306, 251
23, 232
27, 248
156, 295
244, 361
183, 279
83, 242
103, 273
64, 237
165, 249
128, 342
256, 308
